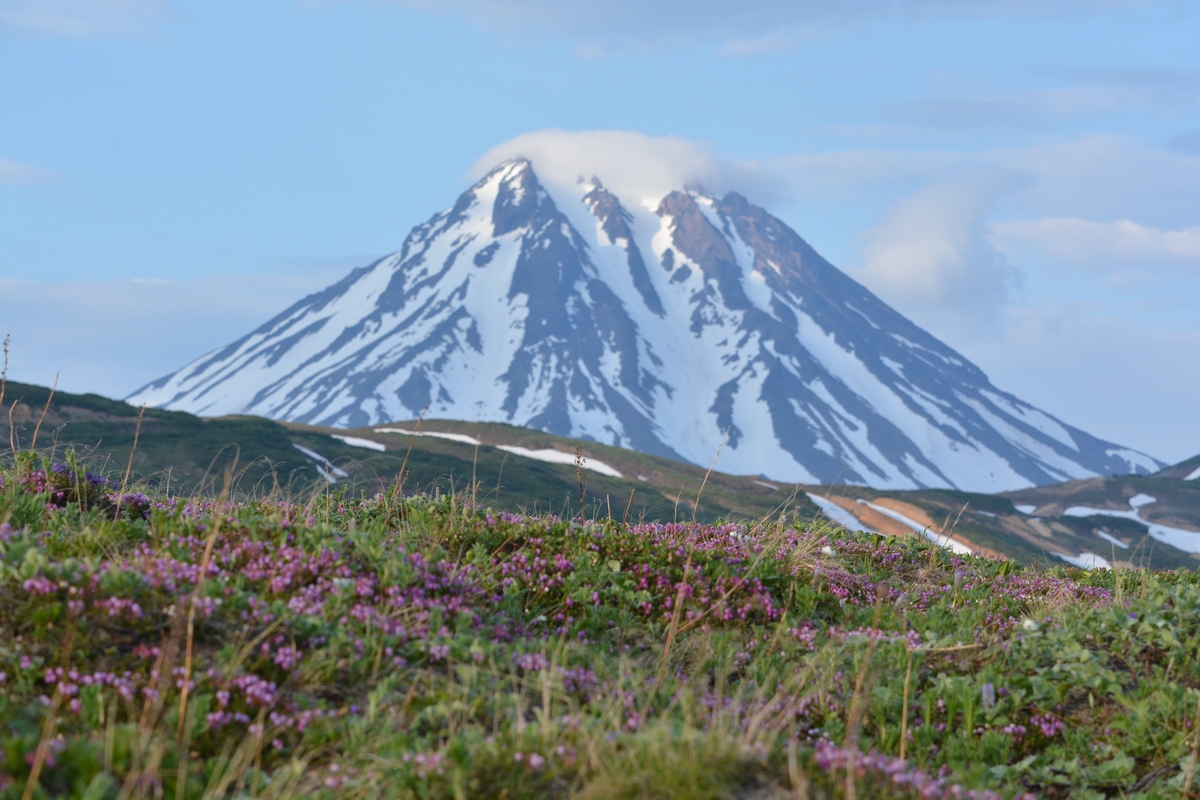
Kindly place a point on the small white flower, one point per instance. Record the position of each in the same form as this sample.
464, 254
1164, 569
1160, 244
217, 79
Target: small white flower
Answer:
829, 551
1029, 624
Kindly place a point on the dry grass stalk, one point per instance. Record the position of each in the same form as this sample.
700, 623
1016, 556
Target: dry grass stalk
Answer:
400, 476
677, 608
1191, 770
12, 429
137, 431
703, 483
796, 775
191, 618
4, 371
855, 716
51, 723
41, 419
676, 614
904, 708
43, 748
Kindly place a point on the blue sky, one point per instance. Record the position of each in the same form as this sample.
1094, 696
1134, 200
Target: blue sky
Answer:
1022, 178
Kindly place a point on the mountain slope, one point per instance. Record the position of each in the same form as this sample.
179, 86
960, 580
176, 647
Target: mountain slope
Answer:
1188, 470
661, 325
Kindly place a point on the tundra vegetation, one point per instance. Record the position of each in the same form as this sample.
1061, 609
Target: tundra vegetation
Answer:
425, 646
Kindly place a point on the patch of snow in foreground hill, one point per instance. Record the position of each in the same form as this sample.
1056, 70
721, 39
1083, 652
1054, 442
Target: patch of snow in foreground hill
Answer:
1141, 499
1026, 508
454, 437
1085, 560
943, 541
355, 441
838, 514
559, 457
1193, 475
1179, 538
332, 473
1106, 537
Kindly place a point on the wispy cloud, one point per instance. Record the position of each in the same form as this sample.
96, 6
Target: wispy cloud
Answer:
14, 172
979, 108
86, 18
750, 27
1091, 177
1122, 243
931, 256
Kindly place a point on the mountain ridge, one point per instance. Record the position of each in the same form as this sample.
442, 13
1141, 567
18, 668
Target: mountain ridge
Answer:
662, 325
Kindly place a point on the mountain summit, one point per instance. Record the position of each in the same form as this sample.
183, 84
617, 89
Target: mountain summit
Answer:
662, 325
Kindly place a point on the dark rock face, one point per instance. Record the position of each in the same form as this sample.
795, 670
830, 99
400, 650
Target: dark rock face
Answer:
663, 327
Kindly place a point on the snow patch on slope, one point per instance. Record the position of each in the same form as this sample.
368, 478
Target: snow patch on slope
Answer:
1085, 560
942, 541
357, 441
1179, 538
559, 457
838, 514
454, 437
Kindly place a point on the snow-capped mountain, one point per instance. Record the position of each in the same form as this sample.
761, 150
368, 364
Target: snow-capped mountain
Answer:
654, 324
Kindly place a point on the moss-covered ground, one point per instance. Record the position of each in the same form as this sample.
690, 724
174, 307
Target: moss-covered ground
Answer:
425, 647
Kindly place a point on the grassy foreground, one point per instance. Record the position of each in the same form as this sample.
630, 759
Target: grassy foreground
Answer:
414, 647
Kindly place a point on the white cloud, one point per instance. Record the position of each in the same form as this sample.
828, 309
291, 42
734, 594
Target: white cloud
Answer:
1123, 243
632, 164
1090, 177
14, 172
930, 256
85, 18
748, 27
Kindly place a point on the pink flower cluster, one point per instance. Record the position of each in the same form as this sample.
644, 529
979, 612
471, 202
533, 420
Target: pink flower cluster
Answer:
899, 774
1048, 724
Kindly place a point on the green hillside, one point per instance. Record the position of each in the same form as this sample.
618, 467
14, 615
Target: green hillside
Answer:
184, 454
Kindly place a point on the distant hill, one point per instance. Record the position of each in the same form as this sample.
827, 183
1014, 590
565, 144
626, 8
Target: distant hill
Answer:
191, 454
1086, 522
1188, 470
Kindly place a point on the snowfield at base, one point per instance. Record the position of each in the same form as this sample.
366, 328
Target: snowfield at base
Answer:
1085, 560
559, 457
838, 514
1025, 508
1179, 538
454, 437
1193, 475
943, 541
355, 441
